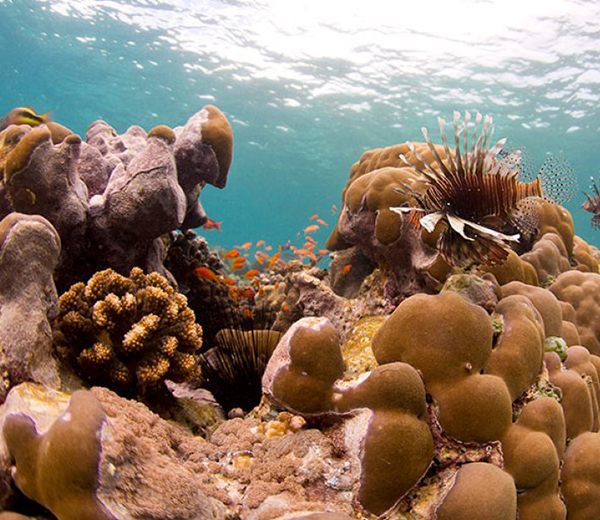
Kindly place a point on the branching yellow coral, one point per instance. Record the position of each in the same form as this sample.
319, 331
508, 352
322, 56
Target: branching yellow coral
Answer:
127, 333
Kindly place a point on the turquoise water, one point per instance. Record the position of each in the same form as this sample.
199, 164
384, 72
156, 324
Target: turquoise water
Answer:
309, 85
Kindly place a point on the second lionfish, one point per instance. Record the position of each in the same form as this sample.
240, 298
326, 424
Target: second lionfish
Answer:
479, 195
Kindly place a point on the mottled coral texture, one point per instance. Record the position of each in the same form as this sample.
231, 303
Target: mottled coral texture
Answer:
128, 333
112, 196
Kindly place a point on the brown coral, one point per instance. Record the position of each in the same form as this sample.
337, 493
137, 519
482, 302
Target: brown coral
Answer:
388, 434
582, 291
59, 469
128, 333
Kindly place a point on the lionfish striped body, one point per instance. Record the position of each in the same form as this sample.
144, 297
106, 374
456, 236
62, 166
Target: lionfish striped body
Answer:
476, 194
592, 204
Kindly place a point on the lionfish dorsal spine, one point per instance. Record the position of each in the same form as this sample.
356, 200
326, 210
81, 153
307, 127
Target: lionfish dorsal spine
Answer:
449, 159
457, 157
429, 173
465, 154
435, 154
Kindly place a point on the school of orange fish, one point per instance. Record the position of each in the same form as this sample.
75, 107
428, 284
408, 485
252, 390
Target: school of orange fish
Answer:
250, 259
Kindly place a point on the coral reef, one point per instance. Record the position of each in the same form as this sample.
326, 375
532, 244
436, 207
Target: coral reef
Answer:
112, 196
127, 333
445, 366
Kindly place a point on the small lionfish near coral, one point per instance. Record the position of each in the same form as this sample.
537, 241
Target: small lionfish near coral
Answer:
592, 204
480, 195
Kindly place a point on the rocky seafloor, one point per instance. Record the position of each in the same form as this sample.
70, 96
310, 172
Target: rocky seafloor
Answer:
145, 375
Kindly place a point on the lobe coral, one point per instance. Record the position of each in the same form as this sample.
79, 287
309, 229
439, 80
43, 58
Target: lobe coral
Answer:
478, 196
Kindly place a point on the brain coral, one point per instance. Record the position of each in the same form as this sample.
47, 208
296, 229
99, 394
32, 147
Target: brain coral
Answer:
127, 333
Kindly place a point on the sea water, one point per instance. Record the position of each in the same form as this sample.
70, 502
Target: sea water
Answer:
309, 85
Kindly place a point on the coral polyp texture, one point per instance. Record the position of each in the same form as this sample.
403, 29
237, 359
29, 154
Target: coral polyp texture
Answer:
127, 333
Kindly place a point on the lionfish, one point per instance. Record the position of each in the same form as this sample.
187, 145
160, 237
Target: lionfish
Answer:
592, 204
480, 194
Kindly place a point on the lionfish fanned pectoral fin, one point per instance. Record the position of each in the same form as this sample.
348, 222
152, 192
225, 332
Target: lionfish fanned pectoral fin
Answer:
460, 253
558, 180
526, 216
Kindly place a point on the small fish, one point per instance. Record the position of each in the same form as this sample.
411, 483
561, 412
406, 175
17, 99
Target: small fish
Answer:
323, 252
269, 248
306, 252
260, 243
334, 209
24, 116
314, 217
246, 245
346, 268
274, 259
227, 281
285, 307
311, 229
259, 259
204, 273
212, 224
238, 261
232, 254
322, 222
251, 274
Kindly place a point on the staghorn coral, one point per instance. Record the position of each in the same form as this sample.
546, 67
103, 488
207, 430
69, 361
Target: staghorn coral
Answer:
128, 333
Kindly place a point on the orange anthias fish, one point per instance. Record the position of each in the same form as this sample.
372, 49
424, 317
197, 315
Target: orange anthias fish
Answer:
274, 259
260, 243
246, 245
232, 254
346, 268
311, 229
211, 224
251, 274
322, 222
227, 281
314, 217
306, 252
204, 273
